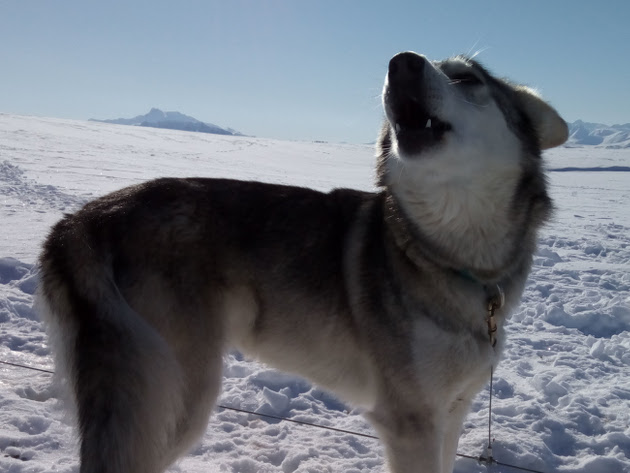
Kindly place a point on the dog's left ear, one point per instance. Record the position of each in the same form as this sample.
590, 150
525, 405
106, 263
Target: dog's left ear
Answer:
552, 130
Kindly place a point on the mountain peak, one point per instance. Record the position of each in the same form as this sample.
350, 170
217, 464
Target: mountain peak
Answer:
155, 114
583, 133
157, 118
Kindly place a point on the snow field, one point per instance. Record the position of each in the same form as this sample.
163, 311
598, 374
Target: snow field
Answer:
561, 395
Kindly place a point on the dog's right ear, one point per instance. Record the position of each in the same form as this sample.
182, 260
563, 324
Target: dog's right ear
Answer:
552, 130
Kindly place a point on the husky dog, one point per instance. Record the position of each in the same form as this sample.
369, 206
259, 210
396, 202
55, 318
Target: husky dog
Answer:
389, 299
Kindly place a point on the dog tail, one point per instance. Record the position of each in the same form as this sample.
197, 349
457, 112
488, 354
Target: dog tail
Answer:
125, 381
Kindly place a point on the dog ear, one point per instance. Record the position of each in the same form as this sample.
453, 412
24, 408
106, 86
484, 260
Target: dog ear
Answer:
551, 128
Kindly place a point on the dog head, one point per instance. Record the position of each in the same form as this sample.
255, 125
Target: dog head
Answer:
460, 152
454, 118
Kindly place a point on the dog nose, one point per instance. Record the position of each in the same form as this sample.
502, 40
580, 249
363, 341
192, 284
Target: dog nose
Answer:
406, 66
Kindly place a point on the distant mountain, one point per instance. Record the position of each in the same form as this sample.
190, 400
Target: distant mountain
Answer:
595, 134
156, 118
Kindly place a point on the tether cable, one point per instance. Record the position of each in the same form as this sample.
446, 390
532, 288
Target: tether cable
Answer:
488, 461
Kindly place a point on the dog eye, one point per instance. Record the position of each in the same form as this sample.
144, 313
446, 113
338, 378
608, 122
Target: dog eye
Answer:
466, 78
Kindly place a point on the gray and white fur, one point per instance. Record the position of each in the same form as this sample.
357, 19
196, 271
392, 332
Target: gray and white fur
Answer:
379, 297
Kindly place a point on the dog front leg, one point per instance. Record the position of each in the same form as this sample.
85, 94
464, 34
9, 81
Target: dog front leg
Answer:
413, 440
454, 423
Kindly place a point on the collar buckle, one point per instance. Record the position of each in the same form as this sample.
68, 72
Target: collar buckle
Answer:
496, 300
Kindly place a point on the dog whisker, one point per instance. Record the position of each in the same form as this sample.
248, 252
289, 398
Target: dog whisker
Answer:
402, 168
478, 105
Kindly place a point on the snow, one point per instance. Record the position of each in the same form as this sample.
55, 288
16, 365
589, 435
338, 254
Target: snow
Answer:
561, 395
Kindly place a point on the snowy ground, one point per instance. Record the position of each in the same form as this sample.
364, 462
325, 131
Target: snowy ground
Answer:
562, 393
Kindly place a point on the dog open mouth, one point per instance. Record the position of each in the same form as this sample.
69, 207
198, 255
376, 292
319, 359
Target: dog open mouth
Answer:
416, 129
407, 103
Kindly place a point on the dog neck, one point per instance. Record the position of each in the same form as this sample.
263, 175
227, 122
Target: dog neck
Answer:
471, 251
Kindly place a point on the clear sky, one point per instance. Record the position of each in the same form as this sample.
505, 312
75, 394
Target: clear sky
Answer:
292, 69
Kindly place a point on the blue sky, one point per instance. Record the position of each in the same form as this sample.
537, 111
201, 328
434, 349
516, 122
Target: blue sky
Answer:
295, 69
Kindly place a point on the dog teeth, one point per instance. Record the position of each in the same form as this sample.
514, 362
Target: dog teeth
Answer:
428, 124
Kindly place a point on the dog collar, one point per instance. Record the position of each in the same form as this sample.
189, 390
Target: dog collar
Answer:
399, 226
468, 275
495, 298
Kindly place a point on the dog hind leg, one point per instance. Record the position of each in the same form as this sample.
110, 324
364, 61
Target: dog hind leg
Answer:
128, 388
